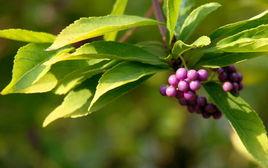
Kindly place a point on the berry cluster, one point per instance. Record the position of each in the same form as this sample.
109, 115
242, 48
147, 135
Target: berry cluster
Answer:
183, 85
231, 79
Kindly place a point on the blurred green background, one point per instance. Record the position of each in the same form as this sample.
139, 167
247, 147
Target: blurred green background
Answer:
139, 130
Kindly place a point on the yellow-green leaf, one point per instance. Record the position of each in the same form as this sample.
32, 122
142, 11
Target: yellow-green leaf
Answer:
251, 40
115, 50
180, 47
27, 36
215, 60
29, 68
119, 76
195, 18
233, 28
172, 12
118, 9
86, 28
70, 74
244, 120
71, 103
108, 98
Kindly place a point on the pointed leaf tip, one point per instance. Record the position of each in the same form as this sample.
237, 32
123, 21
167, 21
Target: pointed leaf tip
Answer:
71, 103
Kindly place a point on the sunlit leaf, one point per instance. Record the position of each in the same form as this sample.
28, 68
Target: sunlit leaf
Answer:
214, 60
29, 68
180, 47
70, 74
244, 120
154, 47
172, 12
27, 36
118, 9
108, 98
252, 40
115, 50
86, 28
185, 10
195, 18
119, 76
72, 102
238, 145
233, 28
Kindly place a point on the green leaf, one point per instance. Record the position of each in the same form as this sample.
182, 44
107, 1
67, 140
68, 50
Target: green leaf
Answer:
233, 28
252, 40
185, 10
72, 73
118, 9
117, 77
28, 69
215, 60
173, 11
244, 120
71, 103
86, 28
44, 84
27, 36
109, 97
195, 18
115, 50
153, 47
240, 148
64, 56
180, 47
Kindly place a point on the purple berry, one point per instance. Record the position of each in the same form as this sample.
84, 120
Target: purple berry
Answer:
179, 95
223, 77
191, 109
192, 75
241, 86
227, 86
202, 74
182, 101
181, 74
201, 101
210, 108
195, 85
220, 70
172, 80
235, 86
163, 90
183, 86
230, 68
205, 114
217, 115
189, 95
171, 91
192, 102
234, 77
239, 77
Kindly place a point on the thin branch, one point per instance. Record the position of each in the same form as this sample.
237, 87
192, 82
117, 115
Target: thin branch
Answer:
126, 36
183, 62
160, 17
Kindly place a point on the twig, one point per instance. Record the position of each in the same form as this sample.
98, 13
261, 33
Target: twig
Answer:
183, 61
125, 37
160, 17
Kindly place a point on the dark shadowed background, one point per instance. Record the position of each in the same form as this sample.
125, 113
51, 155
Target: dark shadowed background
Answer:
139, 130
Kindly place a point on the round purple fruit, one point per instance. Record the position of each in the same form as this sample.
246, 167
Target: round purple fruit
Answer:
181, 74
171, 91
